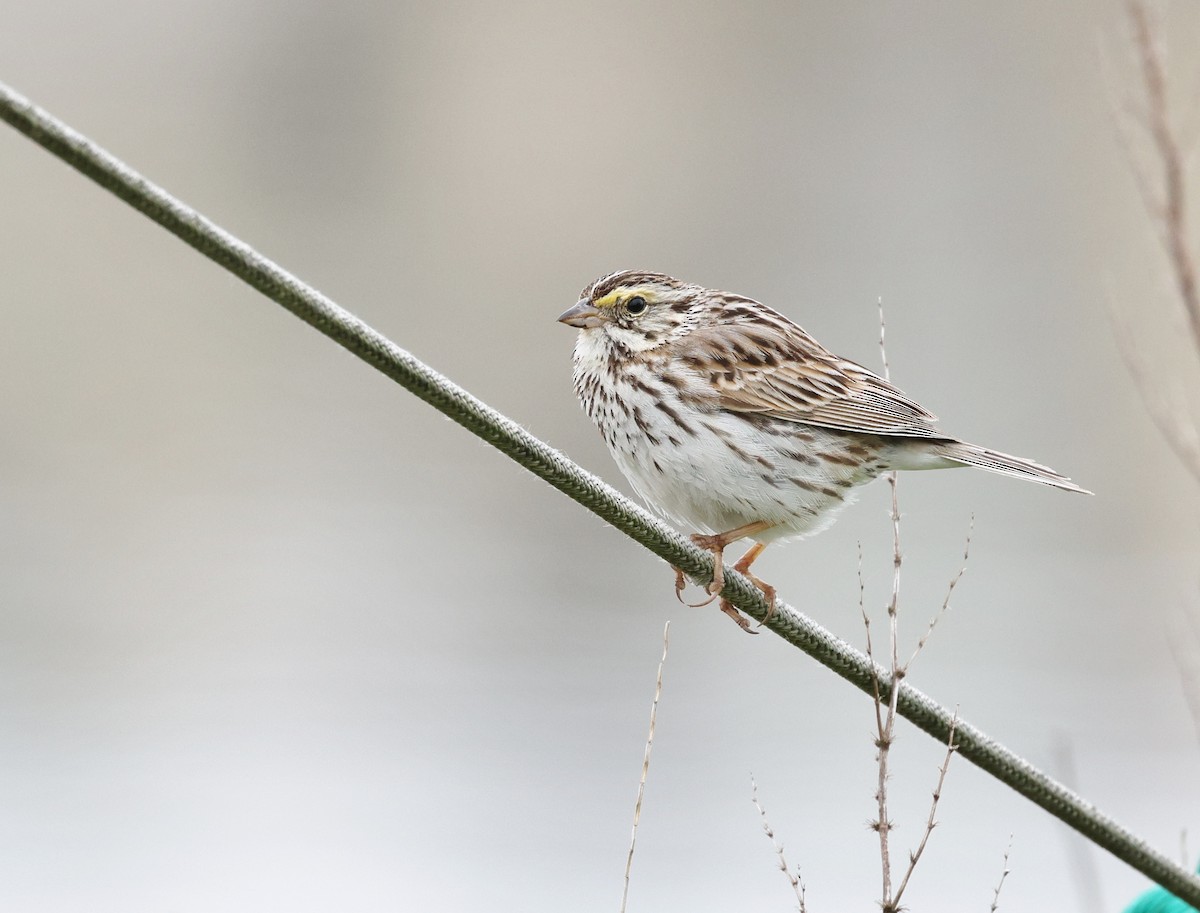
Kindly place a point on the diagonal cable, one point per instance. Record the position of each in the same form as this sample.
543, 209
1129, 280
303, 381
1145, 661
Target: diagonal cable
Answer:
549, 464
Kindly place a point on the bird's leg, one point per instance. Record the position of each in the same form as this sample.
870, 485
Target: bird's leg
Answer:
743, 567
716, 544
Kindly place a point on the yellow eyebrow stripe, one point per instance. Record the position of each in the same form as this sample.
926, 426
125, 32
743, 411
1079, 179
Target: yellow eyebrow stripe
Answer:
613, 298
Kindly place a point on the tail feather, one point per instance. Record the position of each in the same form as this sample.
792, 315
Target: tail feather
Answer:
1017, 467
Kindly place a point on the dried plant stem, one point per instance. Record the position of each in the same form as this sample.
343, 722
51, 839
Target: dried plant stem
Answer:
1183, 640
945, 607
637, 806
885, 713
882, 823
1162, 406
885, 719
1172, 210
793, 878
930, 823
1165, 196
1000, 884
877, 691
324, 315
887, 369
1169, 212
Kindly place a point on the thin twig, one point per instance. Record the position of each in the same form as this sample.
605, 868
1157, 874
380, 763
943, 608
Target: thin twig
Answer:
881, 825
1175, 151
355, 336
893, 608
886, 728
1183, 640
794, 879
887, 370
915, 856
1172, 420
945, 607
1146, 36
877, 684
885, 719
637, 806
862, 593
1003, 875
1167, 208
897, 556
1126, 115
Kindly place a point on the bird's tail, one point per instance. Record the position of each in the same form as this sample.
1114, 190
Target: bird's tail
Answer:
994, 461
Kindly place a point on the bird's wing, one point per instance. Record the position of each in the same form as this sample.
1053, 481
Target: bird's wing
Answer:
784, 373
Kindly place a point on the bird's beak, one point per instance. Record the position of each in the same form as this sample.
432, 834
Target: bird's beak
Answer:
582, 315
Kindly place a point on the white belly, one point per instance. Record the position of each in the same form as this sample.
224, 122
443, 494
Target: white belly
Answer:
713, 471
708, 486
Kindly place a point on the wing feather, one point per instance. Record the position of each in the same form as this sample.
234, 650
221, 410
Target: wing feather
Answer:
778, 370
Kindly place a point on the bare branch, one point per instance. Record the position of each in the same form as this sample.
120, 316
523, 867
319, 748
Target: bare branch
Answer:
1150, 122
887, 370
1003, 875
931, 822
1183, 630
962, 569
885, 721
637, 807
1146, 34
1130, 120
1173, 422
897, 557
794, 879
862, 592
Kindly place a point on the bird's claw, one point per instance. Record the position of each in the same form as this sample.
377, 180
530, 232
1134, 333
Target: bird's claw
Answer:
716, 545
742, 621
681, 585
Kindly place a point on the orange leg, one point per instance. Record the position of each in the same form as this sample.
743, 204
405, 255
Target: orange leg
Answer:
716, 544
743, 567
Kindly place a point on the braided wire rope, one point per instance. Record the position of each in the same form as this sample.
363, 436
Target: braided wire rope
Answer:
549, 464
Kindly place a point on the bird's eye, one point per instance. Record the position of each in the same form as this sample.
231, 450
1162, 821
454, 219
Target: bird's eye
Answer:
635, 305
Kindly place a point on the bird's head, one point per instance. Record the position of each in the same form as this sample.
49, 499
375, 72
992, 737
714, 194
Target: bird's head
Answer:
634, 310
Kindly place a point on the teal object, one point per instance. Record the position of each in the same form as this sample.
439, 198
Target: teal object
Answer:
1159, 900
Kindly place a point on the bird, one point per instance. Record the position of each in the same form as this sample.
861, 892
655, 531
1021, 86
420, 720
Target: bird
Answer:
728, 418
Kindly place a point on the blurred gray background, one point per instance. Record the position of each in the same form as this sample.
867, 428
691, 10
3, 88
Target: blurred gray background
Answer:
275, 635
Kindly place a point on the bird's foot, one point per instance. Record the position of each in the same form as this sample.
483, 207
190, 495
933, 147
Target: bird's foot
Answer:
742, 621
682, 584
768, 591
716, 545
